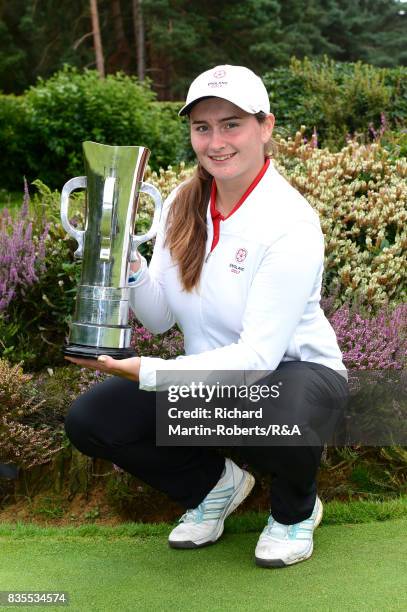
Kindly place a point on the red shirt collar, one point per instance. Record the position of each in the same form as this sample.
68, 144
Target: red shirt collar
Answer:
215, 214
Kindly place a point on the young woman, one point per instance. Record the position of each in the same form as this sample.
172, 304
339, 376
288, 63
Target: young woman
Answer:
237, 264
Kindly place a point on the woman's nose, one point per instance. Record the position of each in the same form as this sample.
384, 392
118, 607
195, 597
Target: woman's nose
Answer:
217, 140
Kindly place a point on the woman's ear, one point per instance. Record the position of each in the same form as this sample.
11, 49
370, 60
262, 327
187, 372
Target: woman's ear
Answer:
267, 127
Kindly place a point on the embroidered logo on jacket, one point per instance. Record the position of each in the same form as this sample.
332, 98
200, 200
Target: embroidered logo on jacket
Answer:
240, 256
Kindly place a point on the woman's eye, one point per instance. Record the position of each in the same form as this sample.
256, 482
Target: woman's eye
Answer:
201, 128
231, 124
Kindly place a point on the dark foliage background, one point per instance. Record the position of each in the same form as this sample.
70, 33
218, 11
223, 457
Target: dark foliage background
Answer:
183, 37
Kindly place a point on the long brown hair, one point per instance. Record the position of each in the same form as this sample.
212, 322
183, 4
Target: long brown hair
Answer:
186, 229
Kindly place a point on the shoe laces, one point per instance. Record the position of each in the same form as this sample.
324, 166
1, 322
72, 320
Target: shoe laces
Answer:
211, 507
194, 515
278, 531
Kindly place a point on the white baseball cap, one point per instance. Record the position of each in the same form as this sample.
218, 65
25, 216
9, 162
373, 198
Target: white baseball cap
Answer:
236, 84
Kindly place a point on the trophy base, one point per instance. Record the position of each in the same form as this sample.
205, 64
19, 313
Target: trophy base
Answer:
93, 352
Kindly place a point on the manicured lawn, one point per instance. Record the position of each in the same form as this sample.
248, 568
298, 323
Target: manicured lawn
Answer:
354, 567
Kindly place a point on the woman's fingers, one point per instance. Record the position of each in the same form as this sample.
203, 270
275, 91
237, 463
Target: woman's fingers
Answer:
85, 363
128, 368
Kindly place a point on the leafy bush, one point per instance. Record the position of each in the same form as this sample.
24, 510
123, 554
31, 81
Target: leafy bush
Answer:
41, 131
396, 80
13, 127
54, 117
337, 99
394, 142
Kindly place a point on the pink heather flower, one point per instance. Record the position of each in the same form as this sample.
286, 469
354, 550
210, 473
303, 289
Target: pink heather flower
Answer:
22, 255
375, 343
168, 345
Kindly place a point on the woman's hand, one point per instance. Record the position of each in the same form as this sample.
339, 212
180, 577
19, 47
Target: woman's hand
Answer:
135, 265
127, 368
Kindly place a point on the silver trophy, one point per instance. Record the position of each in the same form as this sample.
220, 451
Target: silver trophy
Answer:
107, 245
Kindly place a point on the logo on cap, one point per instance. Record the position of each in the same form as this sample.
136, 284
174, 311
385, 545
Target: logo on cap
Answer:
218, 74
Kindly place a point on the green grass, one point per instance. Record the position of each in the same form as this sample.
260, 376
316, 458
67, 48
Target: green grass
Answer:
354, 567
335, 513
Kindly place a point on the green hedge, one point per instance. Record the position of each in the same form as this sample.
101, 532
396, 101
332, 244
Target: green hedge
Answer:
337, 99
42, 130
13, 123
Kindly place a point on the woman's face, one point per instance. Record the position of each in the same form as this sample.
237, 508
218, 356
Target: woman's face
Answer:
228, 142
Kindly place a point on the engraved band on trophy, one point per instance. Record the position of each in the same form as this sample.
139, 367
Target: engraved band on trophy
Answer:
107, 245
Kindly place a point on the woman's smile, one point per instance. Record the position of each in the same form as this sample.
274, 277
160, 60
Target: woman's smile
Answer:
221, 158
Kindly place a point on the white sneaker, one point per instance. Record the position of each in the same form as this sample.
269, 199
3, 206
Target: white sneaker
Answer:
280, 545
204, 525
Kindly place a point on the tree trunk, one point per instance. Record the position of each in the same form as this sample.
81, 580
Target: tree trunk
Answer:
120, 59
97, 40
139, 38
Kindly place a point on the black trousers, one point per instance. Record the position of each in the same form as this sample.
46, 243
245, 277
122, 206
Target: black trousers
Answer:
115, 420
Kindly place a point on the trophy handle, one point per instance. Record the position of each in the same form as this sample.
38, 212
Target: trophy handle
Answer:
158, 204
79, 182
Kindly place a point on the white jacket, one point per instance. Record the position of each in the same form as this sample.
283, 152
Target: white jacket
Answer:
258, 299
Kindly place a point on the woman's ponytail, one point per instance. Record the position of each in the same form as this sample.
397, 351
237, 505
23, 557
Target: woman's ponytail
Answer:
186, 232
